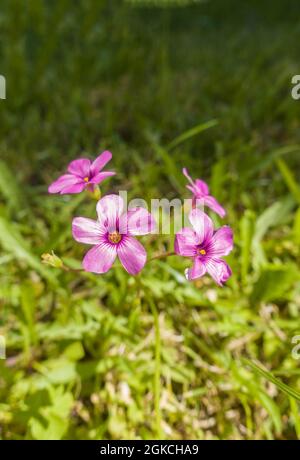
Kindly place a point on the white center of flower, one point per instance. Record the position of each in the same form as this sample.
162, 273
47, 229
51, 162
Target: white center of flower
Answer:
114, 237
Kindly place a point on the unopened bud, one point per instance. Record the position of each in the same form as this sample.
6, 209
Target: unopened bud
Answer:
52, 259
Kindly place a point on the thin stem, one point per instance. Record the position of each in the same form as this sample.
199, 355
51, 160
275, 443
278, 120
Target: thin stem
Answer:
162, 256
157, 373
66, 268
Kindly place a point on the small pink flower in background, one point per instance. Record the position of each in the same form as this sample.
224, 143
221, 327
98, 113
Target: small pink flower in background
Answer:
200, 190
82, 173
206, 247
112, 235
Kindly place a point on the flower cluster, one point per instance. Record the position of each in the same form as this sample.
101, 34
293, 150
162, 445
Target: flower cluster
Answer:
114, 232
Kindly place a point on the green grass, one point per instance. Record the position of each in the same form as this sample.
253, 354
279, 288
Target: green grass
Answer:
115, 357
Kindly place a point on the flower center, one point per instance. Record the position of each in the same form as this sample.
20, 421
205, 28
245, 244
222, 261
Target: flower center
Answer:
86, 179
114, 237
202, 252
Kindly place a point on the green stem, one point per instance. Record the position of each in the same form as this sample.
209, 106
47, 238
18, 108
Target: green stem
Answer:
157, 373
162, 256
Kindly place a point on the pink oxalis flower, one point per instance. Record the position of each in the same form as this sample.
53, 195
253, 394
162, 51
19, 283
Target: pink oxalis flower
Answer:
205, 246
112, 235
200, 190
82, 173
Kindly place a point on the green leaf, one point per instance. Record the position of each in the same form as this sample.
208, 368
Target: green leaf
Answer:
274, 215
273, 282
289, 178
247, 227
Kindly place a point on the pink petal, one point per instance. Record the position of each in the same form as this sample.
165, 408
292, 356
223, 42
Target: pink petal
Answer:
100, 177
86, 231
80, 167
132, 255
197, 270
202, 224
100, 162
222, 242
75, 188
185, 172
137, 221
212, 203
202, 187
109, 210
186, 242
62, 182
100, 258
219, 270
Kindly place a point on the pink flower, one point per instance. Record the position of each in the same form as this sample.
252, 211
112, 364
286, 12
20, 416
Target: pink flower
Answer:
206, 247
112, 235
200, 190
82, 174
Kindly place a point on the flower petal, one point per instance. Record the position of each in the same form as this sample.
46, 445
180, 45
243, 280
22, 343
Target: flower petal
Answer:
186, 242
222, 242
75, 188
80, 167
62, 182
197, 270
100, 177
219, 270
202, 187
202, 224
109, 210
212, 203
186, 174
100, 258
132, 255
86, 230
100, 162
137, 221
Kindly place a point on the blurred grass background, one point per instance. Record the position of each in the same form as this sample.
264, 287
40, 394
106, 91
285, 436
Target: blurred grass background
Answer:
131, 76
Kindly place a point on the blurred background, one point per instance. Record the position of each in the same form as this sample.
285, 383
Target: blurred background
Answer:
163, 85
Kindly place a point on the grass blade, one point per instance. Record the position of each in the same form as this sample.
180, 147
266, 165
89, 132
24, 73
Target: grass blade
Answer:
191, 133
270, 377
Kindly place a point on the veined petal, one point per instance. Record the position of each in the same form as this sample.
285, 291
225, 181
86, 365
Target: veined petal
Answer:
198, 269
109, 210
86, 230
80, 167
100, 258
213, 204
222, 242
132, 255
186, 242
137, 221
219, 270
100, 162
101, 176
62, 182
202, 224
